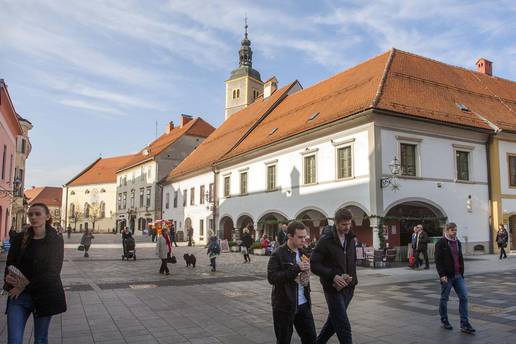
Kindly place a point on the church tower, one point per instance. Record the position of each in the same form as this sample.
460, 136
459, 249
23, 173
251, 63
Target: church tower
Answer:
244, 84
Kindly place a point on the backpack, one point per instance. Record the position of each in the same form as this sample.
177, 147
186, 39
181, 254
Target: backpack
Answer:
215, 248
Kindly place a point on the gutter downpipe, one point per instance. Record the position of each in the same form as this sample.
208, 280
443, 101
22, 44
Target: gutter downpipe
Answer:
215, 200
488, 158
66, 208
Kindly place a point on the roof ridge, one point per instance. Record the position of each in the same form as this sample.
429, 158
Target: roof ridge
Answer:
84, 171
454, 66
386, 70
262, 117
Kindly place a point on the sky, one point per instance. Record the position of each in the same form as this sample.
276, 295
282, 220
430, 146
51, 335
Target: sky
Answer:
94, 77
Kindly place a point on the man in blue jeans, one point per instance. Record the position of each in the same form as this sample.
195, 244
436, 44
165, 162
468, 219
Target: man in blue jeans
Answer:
334, 261
450, 267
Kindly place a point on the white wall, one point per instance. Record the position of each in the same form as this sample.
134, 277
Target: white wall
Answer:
195, 212
437, 166
327, 195
95, 195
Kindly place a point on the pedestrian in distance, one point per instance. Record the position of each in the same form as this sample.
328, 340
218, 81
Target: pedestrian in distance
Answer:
86, 239
153, 234
213, 252
245, 245
334, 261
413, 245
266, 245
502, 237
173, 234
422, 247
287, 271
450, 267
282, 237
164, 250
32, 277
68, 232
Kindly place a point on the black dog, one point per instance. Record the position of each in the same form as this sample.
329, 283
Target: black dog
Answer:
190, 260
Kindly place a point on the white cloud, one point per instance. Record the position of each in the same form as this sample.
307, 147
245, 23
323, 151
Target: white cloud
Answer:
81, 104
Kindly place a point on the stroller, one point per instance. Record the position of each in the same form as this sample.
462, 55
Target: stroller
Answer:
129, 249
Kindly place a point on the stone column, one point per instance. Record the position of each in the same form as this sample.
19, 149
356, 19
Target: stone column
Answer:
374, 226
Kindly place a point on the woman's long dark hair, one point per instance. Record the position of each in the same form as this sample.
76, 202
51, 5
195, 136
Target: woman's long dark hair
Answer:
29, 234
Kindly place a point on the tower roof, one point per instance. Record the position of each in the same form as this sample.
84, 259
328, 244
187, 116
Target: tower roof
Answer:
245, 58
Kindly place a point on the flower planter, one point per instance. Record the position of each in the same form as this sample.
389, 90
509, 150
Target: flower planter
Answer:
235, 249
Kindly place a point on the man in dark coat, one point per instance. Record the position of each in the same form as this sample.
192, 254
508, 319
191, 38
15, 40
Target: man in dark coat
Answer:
450, 267
282, 235
502, 237
422, 241
287, 271
334, 261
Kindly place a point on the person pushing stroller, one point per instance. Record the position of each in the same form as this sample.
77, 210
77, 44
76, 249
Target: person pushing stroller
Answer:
128, 244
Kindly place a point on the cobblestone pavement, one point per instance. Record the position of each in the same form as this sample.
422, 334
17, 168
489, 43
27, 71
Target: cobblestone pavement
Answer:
110, 301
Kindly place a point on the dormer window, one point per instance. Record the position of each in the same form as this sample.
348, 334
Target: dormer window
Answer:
146, 151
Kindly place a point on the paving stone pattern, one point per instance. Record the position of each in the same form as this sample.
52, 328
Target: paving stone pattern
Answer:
110, 301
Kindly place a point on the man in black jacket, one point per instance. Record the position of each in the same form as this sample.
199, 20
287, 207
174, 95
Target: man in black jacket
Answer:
422, 241
282, 235
450, 267
334, 261
287, 271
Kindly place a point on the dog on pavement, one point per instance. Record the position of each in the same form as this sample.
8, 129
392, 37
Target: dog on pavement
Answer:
190, 260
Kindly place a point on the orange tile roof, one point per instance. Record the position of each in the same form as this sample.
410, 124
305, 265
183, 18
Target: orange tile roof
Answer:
196, 127
101, 171
49, 195
396, 81
227, 135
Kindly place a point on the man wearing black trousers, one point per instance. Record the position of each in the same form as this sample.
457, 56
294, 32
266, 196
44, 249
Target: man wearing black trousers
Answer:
334, 261
287, 271
422, 247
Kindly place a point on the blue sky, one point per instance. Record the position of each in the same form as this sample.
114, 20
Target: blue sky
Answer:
94, 76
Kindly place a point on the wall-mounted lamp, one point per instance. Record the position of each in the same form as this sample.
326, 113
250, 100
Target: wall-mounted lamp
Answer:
392, 180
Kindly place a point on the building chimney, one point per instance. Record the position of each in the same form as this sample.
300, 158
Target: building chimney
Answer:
485, 66
269, 87
185, 119
169, 127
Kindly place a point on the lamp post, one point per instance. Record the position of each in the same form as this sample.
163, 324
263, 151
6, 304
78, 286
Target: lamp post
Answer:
392, 180
11, 193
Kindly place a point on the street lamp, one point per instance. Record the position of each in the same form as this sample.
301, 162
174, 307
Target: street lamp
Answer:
392, 180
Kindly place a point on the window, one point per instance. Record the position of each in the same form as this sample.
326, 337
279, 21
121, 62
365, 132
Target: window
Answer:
148, 198
3, 161
86, 210
125, 180
211, 224
72, 210
227, 190
256, 93
175, 198
142, 174
512, 170
236, 93
192, 196
201, 227
243, 183
309, 169
167, 200
124, 201
211, 192
202, 196
149, 173
133, 177
462, 159
132, 198
11, 168
408, 159
23, 146
119, 201
184, 198
344, 163
120, 181
271, 177
142, 191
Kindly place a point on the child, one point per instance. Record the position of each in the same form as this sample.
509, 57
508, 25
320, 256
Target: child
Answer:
213, 252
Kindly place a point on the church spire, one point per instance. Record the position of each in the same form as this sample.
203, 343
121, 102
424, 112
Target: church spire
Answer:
245, 52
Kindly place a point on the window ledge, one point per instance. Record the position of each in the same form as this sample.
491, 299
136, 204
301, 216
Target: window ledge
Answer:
310, 184
273, 190
344, 179
458, 181
409, 177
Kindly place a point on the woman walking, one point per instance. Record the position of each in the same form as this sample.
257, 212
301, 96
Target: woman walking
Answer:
245, 245
86, 239
164, 249
502, 237
213, 252
32, 277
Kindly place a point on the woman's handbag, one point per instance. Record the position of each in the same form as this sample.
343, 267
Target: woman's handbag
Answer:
81, 247
171, 259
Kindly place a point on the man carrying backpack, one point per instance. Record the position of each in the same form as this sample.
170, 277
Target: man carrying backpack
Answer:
213, 252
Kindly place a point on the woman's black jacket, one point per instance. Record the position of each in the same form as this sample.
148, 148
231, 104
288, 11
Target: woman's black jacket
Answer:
45, 287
